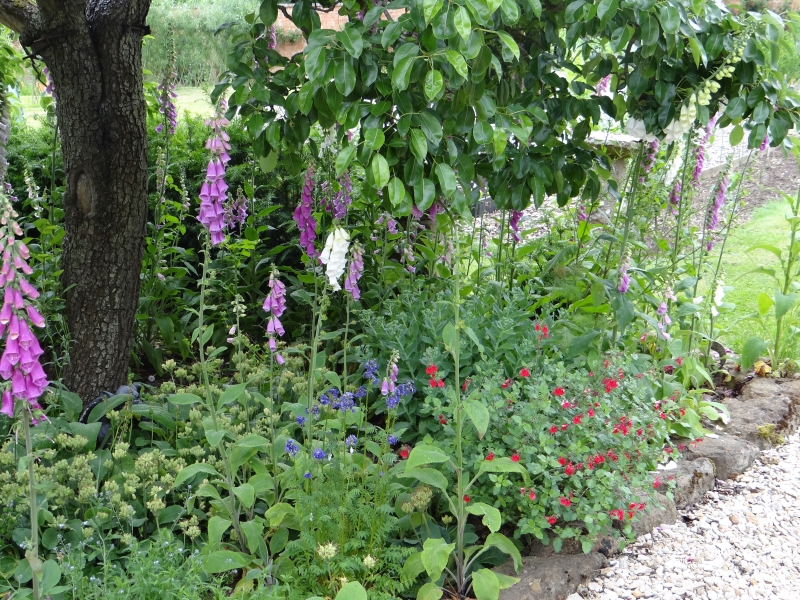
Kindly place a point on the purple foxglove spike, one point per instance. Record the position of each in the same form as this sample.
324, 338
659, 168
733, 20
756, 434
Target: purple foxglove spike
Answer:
6, 313
225, 157
7, 407
38, 376
10, 276
211, 170
393, 374
5, 367
23, 251
26, 361
25, 336
13, 328
8, 296
33, 314
19, 303
36, 349
385, 387
27, 289
18, 387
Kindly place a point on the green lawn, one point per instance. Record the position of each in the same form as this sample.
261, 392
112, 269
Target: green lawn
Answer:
766, 226
192, 99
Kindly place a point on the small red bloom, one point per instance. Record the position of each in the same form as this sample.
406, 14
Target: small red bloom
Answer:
591, 373
515, 457
553, 429
559, 391
532, 495
524, 372
552, 520
669, 369
661, 415
569, 469
577, 419
538, 327
565, 405
522, 491
564, 427
466, 498
466, 384
506, 383
679, 360
490, 456
431, 370
656, 483
546, 331
442, 420
565, 502
590, 412
683, 412
432, 382
404, 451
562, 461
440, 383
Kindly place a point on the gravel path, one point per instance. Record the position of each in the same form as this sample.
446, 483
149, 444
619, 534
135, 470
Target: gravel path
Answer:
744, 542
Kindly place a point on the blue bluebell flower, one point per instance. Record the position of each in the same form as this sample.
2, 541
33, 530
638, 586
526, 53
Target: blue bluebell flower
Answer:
350, 441
392, 439
333, 393
292, 448
324, 400
361, 392
307, 474
319, 454
301, 420
371, 371
392, 400
406, 389
347, 402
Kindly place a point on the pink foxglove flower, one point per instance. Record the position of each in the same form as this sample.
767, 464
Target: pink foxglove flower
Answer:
19, 362
275, 305
304, 217
214, 191
513, 223
624, 278
355, 271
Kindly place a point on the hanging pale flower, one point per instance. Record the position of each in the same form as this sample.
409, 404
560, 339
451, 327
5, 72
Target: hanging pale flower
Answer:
333, 256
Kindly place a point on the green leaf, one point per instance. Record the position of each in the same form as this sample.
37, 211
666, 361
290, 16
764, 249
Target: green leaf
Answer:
784, 303
225, 560
246, 494
650, 30
609, 7
433, 84
426, 475
536, 7
769, 248
217, 526
509, 43
344, 77
253, 440
397, 191
424, 194
419, 145
764, 303
343, 159
670, 19
458, 62
192, 470
431, 8
51, 575
351, 39
429, 591
447, 179
253, 533
315, 62
463, 23
374, 138
506, 581
736, 108
268, 12
402, 73
500, 140
352, 590
277, 512
231, 394
737, 133
425, 455
431, 128
485, 585
503, 465
478, 414
380, 171
413, 567
268, 162
435, 554
483, 132
753, 348
491, 516
502, 543
449, 338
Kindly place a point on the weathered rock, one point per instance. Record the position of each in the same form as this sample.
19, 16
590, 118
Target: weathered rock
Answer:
661, 510
552, 578
767, 411
693, 478
730, 455
607, 545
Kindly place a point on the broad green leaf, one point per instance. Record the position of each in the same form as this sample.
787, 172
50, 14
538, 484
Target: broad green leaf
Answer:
506, 581
431, 127
419, 145
225, 560
449, 338
698, 52
463, 23
737, 133
413, 567
736, 108
536, 7
458, 62
784, 303
433, 84
509, 43
607, 7
397, 191
764, 303
431, 8
380, 171
217, 526
374, 138
670, 19
351, 40
402, 73
429, 591
426, 475
253, 533
502, 543
483, 132
650, 30
485, 585
277, 512
435, 554
425, 455
424, 194
343, 159
246, 494
478, 414
352, 590
253, 440
344, 77
769, 248
447, 179
182, 399
753, 348
268, 12
500, 139
188, 472
491, 516
231, 394
503, 465
315, 62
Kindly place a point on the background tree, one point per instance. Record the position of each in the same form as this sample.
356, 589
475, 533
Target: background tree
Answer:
93, 49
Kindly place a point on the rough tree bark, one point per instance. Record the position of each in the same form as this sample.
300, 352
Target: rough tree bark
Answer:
93, 49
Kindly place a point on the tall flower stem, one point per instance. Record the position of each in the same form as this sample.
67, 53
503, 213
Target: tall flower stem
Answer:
31, 554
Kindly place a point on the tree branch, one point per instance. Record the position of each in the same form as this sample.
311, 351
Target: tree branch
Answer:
19, 15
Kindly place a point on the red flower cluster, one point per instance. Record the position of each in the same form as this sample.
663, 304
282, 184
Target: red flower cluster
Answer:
559, 391
544, 332
577, 419
569, 469
553, 429
433, 381
552, 520
507, 383
610, 384
466, 383
490, 456
524, 372
624, 425
404, 452
442, 420
590, 412
619, 513
565, 502
530, 492
515, 457
466, 498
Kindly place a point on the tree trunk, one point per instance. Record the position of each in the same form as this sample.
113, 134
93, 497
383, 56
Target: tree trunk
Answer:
94, 53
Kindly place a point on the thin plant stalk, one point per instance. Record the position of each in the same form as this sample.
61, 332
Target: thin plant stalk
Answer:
31, 554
